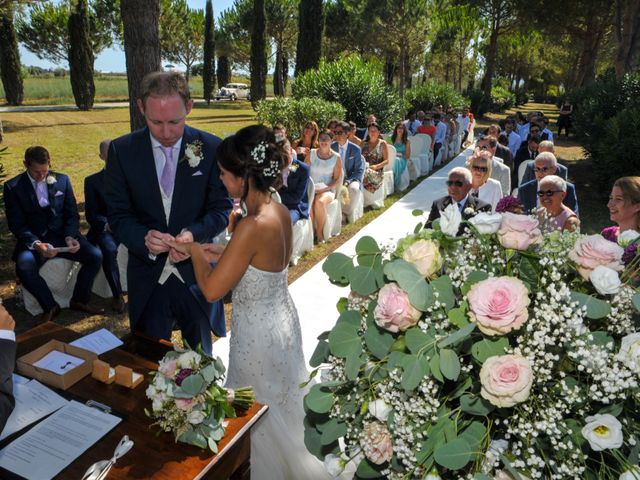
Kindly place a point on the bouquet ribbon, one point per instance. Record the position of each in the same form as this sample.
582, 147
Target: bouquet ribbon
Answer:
99, 470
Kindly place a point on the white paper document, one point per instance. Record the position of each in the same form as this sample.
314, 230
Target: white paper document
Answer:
98, 342
48, 448
58, 362
33, 402
19, 379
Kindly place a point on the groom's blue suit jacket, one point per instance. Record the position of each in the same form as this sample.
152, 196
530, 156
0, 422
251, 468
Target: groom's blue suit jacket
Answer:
200, 203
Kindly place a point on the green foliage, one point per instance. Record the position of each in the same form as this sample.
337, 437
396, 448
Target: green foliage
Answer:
310, 28
294, 113
208, 65
501, 98
81, 56
357, 85
10, 70
181, 33
258, 66
480, 104
429, 94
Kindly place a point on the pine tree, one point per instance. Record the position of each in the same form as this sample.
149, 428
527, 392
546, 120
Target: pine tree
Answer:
208, 68
258, 53
10, 59
223, 73
81, 56
310, 27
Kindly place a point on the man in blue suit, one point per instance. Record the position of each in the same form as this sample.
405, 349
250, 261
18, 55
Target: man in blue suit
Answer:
100, 235
545, 164
162, 183
43, 215
293, 192
529, 172
352, 162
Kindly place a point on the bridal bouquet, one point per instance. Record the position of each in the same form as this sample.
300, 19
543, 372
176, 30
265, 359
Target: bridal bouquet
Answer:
188, 399
500, 354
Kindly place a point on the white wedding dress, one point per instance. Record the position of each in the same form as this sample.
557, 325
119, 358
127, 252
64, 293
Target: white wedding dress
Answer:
266, 353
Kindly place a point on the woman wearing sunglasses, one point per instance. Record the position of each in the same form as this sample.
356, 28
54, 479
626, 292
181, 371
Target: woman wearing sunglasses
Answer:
553, 214
482, 186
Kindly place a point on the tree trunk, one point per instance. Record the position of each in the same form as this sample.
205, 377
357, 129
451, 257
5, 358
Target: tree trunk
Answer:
627, 34
389, 71
258, 53
401, 70
141, 48
224, 71
310, 27
10, 60
285, 71
279, 73
587, 66
208, 67
492, 53
81, 56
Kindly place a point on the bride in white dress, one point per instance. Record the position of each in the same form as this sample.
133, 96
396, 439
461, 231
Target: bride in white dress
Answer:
266, 343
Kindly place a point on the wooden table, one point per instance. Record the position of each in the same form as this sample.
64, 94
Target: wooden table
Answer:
154, 454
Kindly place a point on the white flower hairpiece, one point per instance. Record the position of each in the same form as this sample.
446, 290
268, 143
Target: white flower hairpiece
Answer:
259, 155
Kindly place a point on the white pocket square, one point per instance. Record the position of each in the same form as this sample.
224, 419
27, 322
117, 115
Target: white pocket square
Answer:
58, 193
197, 174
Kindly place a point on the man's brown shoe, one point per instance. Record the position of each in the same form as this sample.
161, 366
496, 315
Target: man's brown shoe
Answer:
117, 304
50, 314
85, 307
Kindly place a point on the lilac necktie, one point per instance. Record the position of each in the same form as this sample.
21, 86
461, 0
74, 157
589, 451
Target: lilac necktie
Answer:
168, 172
42, 194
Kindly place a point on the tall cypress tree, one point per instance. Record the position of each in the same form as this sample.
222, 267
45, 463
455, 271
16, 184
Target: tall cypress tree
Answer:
310, 27
223, 73
10, 59
258, 53
208, 68
81, 56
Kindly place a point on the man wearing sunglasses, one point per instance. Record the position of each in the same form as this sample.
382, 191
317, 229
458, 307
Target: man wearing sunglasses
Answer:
458, 187
545, 164
353, 165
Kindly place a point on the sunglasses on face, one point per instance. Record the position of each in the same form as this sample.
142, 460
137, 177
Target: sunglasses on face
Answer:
541, 169
457, 183
547, 193
339, 132
478, 168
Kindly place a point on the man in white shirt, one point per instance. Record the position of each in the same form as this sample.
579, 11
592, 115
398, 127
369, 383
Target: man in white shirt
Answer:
499, 171
441, 133
7, 360
412, 123
513, 138
464, 121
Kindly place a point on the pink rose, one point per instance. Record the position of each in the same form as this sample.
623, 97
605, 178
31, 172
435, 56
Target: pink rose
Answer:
394, 312
168, 368
592, 251
518, 231
498, 305
506, 380
376, 443
185, 404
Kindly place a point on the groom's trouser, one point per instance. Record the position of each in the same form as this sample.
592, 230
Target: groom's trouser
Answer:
173, 303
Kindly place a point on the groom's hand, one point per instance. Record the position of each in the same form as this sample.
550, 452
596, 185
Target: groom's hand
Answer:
155, 242
184, 237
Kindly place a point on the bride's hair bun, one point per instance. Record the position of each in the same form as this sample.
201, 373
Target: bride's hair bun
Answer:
254, 153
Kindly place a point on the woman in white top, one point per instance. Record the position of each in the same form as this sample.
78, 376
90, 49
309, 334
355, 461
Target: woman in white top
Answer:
326, 167
482, 186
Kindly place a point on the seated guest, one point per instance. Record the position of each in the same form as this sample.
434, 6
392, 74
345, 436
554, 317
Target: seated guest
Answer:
326, 169
458, 187
545, 146
464, 121
545, 133
499, 171
552, 213
307, 141
400, 141
43, 215
527, 151
482, 186
513, 139
375, 153
624, 207
412, 123
353, 138
7, 360
99, 232
441, 133
428, 128
362, 133
501, 151
545, 164
352, 163
293, 191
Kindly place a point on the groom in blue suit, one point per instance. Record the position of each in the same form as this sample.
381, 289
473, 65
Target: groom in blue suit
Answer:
293, 192
352, 161
162, 183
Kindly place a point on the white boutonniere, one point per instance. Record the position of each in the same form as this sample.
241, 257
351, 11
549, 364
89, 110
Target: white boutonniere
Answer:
293, 167
51, 179
469, 211
193, 153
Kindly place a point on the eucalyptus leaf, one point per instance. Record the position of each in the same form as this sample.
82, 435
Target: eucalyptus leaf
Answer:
417, 340
367, 246
443, 286
209, 373
414, 372
352, 367
473, 278
352, 317
475, 405
319, 399
368, 470
474, 434
344, 340
596, 308
602, 339
434, 365
449, 364
458, 336
378, 341
485, 348
636, 300
332, 431
320, 354
363, 279
337, 266
405, 274
457, 317
193, 385
342, 304
417, 212
453, 455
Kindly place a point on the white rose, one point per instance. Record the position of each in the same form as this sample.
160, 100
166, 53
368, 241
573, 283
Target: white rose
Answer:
605, 280
156, 405
191, 158
487, 223
433, 475
603, 432
425, 256
51, 179
333, 465
195, 417
189, 359
626, 237
629, 352
450, 220
380, 409
632, 474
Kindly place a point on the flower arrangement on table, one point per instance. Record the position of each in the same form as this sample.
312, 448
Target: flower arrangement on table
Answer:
189, 400
500, 354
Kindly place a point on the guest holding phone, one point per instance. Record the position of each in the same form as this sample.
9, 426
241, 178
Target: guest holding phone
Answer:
7, 360
42, 213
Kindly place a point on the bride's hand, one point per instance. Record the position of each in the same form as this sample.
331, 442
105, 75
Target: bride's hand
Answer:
180, 246
212, 251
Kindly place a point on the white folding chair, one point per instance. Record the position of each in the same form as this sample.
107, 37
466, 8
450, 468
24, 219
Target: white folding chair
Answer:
60, 275
417, 150
333, 223
303, 230
521, 169
388, 171
375, 199
101, 286
426, 157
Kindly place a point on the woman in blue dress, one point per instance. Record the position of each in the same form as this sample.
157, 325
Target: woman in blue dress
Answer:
400, 141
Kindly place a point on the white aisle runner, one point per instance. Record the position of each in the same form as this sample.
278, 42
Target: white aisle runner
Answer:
316, 298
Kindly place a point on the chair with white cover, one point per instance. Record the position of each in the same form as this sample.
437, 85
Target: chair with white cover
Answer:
438, 160
101, 286
356, 204
417, 148
388, 182
521, 169
333, 222
303, 230
426, 156
60, 274
375, 199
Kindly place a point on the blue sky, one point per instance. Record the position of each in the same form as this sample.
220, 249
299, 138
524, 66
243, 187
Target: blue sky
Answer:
112, 60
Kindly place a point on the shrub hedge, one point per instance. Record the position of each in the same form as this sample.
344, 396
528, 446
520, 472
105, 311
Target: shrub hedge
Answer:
426, 96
